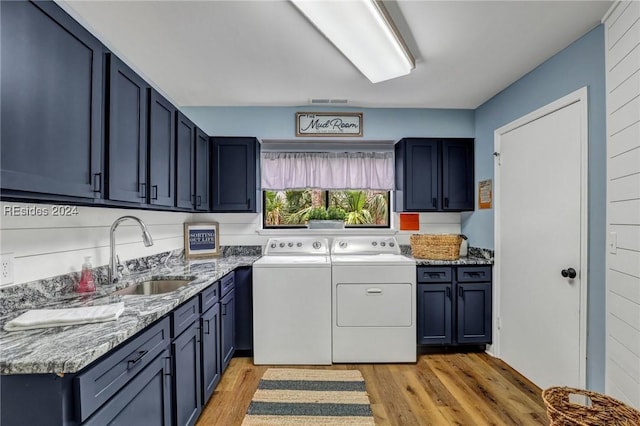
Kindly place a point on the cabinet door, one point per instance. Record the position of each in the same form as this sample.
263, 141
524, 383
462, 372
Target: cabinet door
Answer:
51, 102
434, 314
457, 175
474, 313
202, 171
422, 170
185, 162
161, 150
145, 400
234, 174
244, 310
127, 136
211, 367
186, 385
228, 328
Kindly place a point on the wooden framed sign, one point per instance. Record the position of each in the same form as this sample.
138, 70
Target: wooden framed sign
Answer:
329, 124
201, 240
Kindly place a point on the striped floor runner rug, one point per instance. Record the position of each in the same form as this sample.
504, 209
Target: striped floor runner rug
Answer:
293, 396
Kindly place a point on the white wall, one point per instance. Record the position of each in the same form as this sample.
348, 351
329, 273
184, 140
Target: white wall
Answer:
46, 246
622, 38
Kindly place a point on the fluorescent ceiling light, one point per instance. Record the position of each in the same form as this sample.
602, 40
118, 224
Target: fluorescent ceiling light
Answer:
363, 31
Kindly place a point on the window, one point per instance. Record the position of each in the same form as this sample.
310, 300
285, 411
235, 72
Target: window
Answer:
357, 182
289, 208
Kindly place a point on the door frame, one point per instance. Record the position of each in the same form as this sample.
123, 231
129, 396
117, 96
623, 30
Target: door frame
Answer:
579, 95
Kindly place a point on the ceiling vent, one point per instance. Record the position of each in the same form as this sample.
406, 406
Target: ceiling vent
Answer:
318, 101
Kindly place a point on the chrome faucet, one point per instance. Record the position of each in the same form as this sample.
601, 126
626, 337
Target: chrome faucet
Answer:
115, 267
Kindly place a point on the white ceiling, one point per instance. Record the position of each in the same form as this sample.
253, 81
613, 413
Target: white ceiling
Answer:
265, 53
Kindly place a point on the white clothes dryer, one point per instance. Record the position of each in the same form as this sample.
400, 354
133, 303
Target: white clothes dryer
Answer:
374, 301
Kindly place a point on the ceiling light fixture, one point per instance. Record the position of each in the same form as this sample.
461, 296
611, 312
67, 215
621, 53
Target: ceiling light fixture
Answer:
364, 32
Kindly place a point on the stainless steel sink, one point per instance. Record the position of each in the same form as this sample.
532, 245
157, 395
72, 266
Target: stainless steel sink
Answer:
151, 287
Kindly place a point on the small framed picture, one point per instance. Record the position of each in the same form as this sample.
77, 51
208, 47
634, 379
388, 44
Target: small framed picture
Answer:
201, 240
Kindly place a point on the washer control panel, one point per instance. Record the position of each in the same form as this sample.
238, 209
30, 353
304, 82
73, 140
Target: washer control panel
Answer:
365, 245
297, 246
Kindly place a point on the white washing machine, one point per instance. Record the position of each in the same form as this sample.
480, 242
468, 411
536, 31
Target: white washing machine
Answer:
374, 301
292, 302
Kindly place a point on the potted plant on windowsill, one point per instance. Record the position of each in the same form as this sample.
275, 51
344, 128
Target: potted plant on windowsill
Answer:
321, 218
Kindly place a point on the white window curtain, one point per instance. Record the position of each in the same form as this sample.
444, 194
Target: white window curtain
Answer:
327, 170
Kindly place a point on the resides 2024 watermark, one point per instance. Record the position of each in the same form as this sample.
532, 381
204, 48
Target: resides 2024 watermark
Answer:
39, 211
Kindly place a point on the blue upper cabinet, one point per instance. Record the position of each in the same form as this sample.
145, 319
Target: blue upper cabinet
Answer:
202, 170
233, 180
51, 104
127, 134
457, 175
185, 162
141, 141
417, 171
162, 150
192, 165
434, 175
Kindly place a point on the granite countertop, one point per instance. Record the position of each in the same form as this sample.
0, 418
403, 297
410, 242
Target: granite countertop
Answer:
470, 260
68, 349
476, 256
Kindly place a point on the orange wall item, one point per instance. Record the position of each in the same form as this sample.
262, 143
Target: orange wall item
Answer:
409, 221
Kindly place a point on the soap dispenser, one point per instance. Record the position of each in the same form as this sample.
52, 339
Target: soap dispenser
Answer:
87, 283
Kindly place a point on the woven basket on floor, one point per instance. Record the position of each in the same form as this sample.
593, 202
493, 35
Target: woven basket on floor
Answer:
603, 410
435, 247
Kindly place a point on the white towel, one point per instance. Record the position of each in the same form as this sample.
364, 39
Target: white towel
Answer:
43, 318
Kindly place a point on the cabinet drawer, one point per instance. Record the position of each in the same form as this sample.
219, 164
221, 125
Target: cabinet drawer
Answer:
101, 381
183, 316
227, 283
210, 296
145, 400
468, 274
434, 275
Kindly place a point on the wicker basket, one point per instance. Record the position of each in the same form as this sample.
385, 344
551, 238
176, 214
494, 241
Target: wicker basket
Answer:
603, 409
435, 247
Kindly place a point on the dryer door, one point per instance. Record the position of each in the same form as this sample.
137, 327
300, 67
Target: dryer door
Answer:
374, 305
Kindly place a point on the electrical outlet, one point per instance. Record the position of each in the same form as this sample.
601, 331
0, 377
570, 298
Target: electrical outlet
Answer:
6, 271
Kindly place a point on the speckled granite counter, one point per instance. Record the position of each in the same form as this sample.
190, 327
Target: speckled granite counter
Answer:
470, 260
477, 256
68, 349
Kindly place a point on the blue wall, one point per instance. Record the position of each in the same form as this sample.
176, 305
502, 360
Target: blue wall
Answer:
581, 64
378, 123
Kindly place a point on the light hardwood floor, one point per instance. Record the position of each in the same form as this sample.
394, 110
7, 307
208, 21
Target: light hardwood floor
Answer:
440, 389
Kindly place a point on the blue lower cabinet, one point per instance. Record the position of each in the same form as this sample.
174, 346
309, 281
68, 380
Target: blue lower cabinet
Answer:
97, 384
454, 305
186, 376
474, 313
228, 328
244, 311
145, 400
211, 366
434, 320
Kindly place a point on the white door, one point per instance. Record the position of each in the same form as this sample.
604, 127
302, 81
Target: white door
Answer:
539, 228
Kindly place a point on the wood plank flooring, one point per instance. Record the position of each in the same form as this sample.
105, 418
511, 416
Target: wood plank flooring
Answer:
440, 389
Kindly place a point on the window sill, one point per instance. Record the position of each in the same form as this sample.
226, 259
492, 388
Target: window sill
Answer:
327, 232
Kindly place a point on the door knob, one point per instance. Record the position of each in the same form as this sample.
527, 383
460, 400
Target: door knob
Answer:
569, 273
